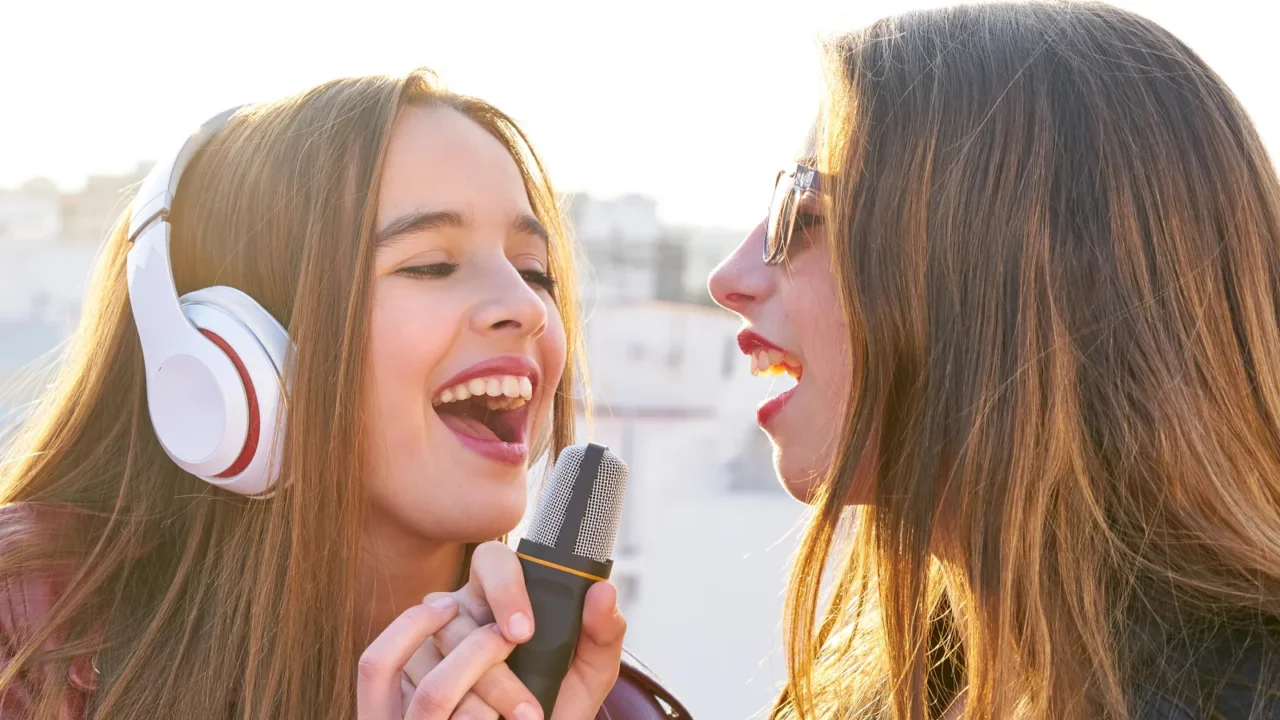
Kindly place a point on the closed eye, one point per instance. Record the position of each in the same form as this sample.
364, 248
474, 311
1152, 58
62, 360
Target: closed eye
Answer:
434, 270
443, 270
539, 278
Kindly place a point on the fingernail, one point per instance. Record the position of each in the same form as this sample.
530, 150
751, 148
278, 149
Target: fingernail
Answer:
519, 627
526, 711
443, 601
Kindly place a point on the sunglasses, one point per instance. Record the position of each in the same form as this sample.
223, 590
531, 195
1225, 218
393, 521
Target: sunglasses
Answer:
788, 189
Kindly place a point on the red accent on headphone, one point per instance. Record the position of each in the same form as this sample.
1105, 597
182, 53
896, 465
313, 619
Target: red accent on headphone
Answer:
251, 442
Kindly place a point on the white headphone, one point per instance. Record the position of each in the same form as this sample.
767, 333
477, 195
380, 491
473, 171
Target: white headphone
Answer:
215, 359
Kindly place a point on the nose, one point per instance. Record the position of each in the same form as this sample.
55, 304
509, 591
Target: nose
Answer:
742, 278
509, 305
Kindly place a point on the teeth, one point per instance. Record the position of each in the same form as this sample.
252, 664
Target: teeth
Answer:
774, 362
504, 403
503, 392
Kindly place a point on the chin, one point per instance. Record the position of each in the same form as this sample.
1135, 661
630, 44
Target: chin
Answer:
797, 478
802, 474
490, 517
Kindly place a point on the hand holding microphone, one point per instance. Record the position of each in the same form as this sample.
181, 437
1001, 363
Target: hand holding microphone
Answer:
550, 599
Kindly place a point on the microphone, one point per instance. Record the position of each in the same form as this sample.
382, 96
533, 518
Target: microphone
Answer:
566, 549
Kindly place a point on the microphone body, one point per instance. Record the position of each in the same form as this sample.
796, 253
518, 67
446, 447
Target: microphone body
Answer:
557, 596
565, 552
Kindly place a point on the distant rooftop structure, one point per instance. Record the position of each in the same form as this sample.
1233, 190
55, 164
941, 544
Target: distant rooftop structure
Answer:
39, 186
88, 215
39, 214
29, 215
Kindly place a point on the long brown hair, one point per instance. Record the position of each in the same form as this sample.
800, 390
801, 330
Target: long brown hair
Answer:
207, 601
1057, 238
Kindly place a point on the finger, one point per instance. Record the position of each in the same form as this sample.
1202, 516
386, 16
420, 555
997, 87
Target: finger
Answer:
378, 683
423, 660
598, 656
426, 657
441, 690
499, 687
473, 708
602, 621
407, 688
497, 584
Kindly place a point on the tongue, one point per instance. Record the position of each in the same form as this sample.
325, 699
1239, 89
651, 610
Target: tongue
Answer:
469, 426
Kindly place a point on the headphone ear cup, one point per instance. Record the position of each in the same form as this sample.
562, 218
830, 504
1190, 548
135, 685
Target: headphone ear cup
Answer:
258, 346
269, 332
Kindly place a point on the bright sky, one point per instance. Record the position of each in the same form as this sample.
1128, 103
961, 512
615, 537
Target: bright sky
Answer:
693, 103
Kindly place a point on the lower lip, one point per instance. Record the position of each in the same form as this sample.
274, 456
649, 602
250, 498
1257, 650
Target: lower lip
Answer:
771, 407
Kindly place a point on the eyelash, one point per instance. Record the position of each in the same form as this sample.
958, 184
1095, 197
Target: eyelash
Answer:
539, 278
434, 270
438, 271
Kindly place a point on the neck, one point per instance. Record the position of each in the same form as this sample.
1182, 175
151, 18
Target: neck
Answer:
400, 571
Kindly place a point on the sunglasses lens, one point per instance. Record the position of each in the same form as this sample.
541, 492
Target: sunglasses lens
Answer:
781, 219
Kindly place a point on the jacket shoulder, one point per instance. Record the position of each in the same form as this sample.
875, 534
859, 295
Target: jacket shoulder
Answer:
638, 695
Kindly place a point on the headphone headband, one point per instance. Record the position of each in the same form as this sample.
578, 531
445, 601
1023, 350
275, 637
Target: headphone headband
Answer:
155, 195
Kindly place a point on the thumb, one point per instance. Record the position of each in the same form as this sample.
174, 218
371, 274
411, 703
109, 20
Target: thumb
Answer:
599, 653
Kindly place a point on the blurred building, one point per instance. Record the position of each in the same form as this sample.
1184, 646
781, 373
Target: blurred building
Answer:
87, 215
29, 216
48, 242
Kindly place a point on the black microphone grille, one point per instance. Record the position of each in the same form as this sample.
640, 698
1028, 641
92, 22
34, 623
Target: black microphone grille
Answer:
581, 504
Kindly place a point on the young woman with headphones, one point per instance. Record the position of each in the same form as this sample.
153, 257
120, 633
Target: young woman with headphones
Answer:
318, 356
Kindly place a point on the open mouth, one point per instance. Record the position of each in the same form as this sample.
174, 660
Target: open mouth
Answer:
775, 362
769, 359
493, 408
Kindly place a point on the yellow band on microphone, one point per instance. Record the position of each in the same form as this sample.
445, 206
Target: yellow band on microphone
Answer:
549, 564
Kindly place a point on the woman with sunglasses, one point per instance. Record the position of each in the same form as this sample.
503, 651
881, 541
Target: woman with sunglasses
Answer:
1027, 277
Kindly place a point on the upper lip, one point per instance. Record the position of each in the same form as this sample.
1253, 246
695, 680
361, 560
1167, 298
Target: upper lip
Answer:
514, 365
749, 341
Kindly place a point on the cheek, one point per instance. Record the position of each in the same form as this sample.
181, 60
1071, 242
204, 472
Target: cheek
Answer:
815, 311
552, 349
407, 342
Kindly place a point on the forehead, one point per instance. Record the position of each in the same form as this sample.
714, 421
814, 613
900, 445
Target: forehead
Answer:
438, 159
808, 150
809, 147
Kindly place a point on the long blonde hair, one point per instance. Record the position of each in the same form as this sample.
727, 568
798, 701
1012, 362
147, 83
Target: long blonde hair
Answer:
206, 601
1057, 238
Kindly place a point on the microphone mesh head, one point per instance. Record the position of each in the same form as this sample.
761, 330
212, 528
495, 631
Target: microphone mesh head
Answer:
599, 527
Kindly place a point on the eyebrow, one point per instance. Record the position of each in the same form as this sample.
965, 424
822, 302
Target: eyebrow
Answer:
424, 220
529, 225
